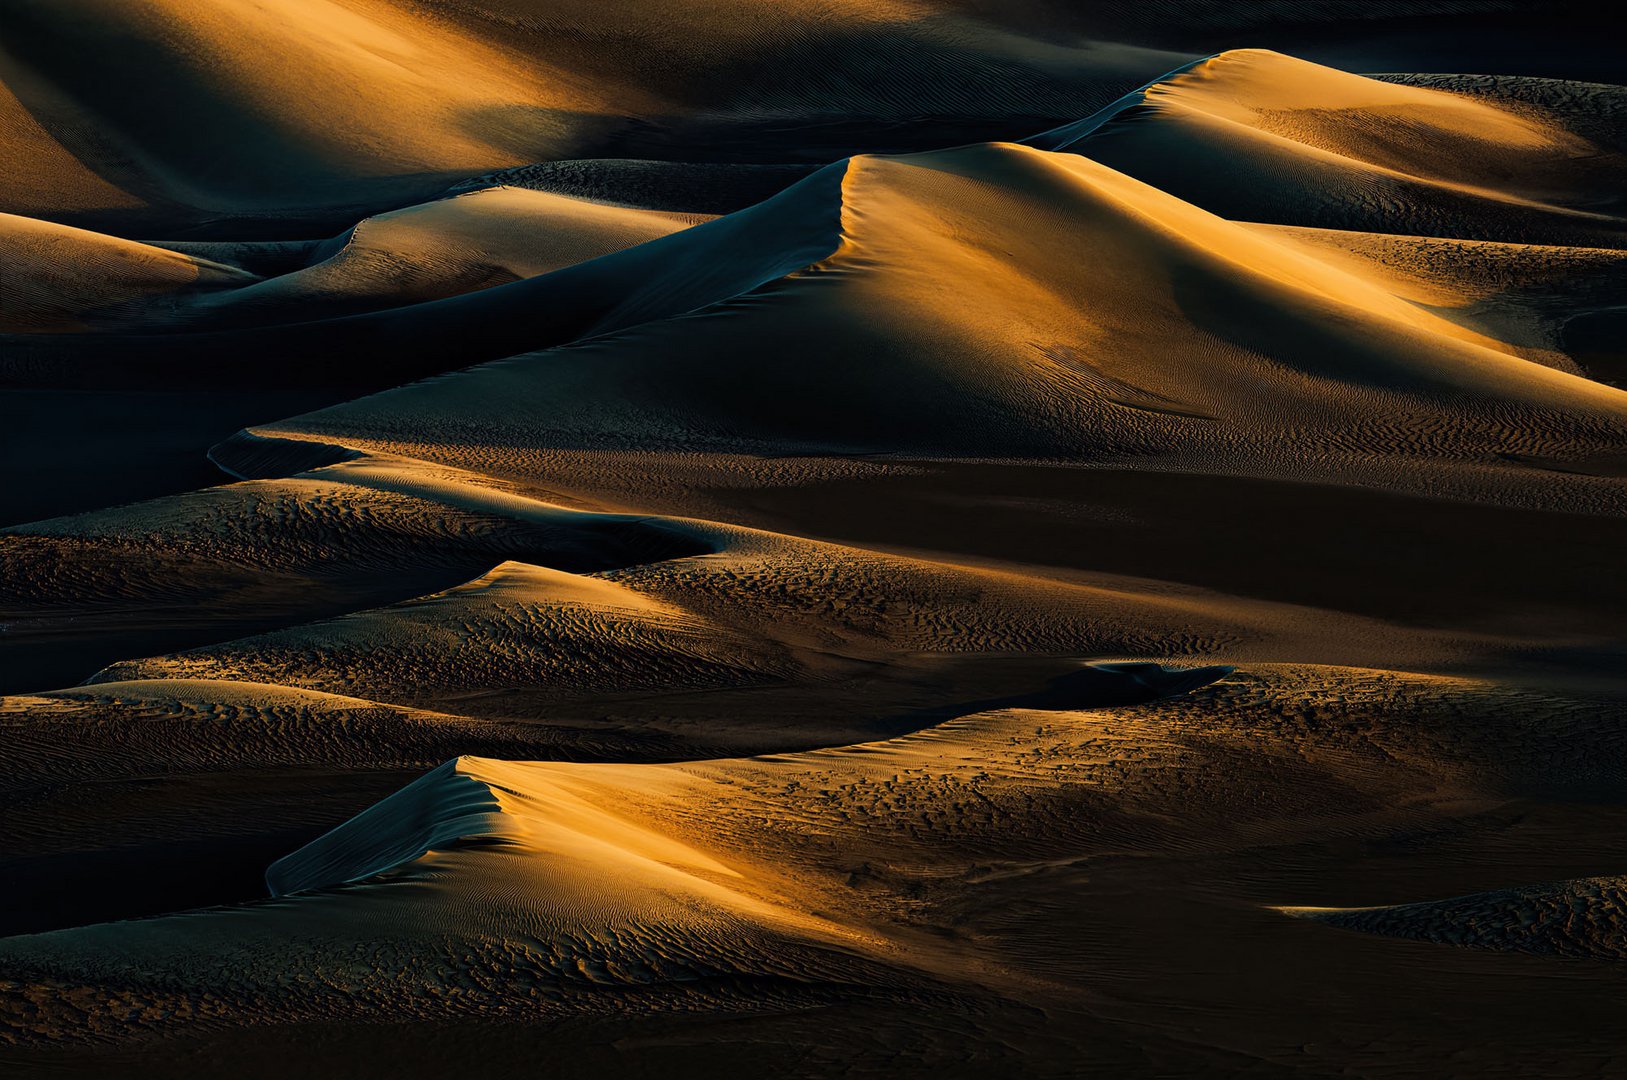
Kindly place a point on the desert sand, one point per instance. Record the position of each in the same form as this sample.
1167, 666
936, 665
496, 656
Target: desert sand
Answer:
859, 538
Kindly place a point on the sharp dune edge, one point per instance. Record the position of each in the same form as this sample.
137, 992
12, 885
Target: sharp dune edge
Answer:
724, 551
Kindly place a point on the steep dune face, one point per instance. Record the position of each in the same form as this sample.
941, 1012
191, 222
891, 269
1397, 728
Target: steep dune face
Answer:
589, 832
1257, 136
610, 899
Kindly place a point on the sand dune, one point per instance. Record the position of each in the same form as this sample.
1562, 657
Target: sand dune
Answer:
1522, 296
1589, 109
1008, 804
57, 278
368, 103
1128, 363
222, 562
40, 172
518, 626
787, 620
436, 250
1258, 136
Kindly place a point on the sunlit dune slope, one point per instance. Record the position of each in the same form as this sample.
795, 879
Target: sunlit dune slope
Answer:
337, 92
993, 300
519, 630
1523, 296
1591, 110
785, 619
953, 280
561, 881
666, 276
657, 538
60, 278
177, 727
231, 560
1258, 136
57, 278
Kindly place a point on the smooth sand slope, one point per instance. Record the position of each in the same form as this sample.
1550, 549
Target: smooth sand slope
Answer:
346, 93
367, 103
61, 278
1528, 297
58, 278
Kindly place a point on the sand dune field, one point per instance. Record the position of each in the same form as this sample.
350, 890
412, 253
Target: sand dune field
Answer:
859, 538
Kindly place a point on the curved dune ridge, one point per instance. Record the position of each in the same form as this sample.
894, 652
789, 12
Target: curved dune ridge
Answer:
705, 555
440, 249
1258, 136
1207, 338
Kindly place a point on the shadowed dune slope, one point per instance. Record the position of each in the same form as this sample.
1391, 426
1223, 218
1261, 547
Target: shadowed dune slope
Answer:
39, 173
669, 275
